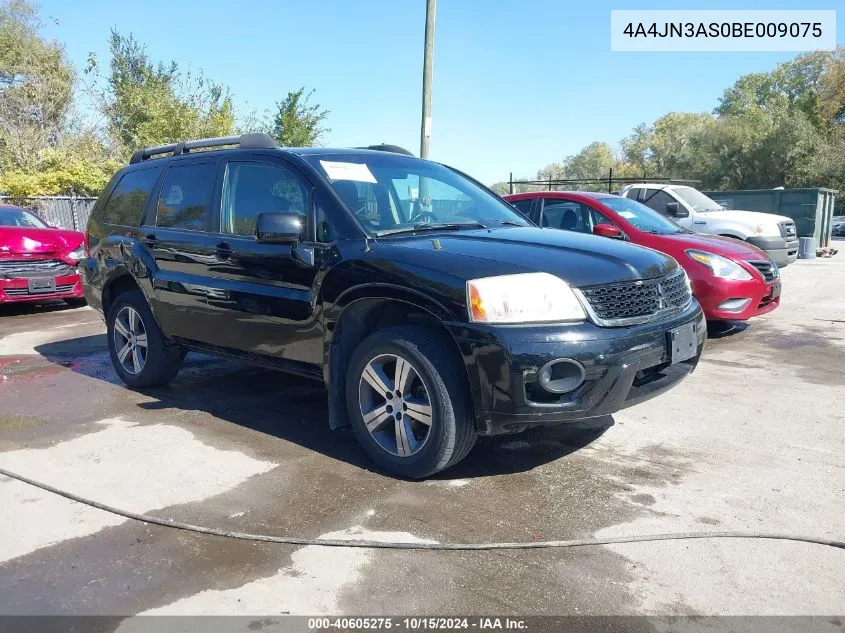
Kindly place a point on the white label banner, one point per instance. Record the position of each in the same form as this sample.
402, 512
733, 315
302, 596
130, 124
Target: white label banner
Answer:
722, 30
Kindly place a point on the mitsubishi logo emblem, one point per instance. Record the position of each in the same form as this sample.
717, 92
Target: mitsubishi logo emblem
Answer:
661, 297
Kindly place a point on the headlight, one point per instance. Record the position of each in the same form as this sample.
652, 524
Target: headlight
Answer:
522, 298
77, 254
720, 266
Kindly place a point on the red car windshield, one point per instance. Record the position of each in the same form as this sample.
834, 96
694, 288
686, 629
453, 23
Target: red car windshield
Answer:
20, 218
643, 218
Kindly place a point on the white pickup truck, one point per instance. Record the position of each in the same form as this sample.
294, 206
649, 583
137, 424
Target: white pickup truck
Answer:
694, 211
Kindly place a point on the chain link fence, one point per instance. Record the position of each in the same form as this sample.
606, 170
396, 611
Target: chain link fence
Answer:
66, 212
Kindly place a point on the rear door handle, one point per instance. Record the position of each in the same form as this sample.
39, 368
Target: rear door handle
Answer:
224, 251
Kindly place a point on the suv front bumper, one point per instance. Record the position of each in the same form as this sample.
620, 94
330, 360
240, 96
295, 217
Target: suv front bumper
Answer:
623, 366
781, 250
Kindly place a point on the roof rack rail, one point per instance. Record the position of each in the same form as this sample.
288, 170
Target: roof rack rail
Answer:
244, 141
384, 147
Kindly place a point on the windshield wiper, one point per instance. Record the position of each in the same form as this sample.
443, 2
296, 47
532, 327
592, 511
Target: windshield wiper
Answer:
512, 223
432, 226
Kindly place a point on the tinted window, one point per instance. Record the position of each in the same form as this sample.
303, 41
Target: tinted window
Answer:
185, 199
127, 201
566, 215
599, 218
657, 200
325, 229
253, 188
524, 206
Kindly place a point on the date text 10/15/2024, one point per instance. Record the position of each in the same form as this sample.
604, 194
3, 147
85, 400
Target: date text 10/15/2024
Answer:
417, 623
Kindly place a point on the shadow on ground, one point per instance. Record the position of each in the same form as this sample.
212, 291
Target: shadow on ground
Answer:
723, 329
26, 307
295, 409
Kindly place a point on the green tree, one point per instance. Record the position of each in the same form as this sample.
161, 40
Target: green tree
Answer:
297, 122
151, 104
36, 85
671, 147
831, 98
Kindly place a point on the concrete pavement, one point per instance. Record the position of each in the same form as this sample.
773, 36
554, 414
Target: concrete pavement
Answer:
752, 441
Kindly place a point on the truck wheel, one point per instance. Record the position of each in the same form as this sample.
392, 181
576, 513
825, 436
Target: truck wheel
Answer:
139, 351
408, 401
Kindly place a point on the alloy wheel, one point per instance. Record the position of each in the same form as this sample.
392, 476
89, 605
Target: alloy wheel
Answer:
395, 404
130, 340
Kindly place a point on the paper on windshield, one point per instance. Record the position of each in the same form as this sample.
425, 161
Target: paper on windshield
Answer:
358, 172
627, 214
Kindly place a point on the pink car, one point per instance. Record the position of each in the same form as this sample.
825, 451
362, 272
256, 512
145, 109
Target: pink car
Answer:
37, 261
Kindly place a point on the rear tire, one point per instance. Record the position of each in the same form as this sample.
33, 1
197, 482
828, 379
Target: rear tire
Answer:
415, 398
76, 302
139, 351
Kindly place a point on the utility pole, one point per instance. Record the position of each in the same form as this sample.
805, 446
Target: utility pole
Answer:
428, 63
425, 127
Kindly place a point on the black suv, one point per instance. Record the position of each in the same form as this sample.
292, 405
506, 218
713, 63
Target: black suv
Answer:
430, 308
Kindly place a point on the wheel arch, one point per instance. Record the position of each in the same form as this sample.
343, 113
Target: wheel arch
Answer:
119, 281
364, 315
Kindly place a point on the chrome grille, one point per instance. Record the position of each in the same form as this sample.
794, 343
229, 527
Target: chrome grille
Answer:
637, 301
24, 292
769, 270
25, 268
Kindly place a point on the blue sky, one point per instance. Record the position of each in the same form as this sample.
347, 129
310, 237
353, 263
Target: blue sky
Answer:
517, 85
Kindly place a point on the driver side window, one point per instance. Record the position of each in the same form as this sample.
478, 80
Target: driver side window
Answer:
657, 200
252, 188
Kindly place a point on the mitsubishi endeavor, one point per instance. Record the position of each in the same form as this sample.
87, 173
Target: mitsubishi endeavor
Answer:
431, 309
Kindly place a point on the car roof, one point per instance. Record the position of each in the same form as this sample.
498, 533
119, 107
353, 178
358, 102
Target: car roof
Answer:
299, 151
556, 194
653, 185
340, 151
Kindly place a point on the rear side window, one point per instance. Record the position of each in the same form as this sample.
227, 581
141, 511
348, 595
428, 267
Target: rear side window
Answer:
185, 198
126, 203
566, 215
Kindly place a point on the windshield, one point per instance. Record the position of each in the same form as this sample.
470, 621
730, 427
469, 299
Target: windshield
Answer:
641, 216
19, 217
391, 193
697, 200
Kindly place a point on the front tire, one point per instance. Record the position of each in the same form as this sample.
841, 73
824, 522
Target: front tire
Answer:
139, 351
76, 302
408, 403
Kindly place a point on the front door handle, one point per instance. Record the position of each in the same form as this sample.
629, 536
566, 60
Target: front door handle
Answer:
151, 240
223, 251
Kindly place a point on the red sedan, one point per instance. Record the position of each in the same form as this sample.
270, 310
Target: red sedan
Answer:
38, 262
731, 279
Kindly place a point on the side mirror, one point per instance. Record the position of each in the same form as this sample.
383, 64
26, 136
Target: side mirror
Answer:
607, 230
278, 228
676, 210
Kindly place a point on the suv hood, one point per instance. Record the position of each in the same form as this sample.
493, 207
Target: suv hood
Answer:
579, 259
29, 241
751, 217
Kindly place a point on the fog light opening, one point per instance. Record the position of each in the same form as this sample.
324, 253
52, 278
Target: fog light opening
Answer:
734, 305
561, 376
